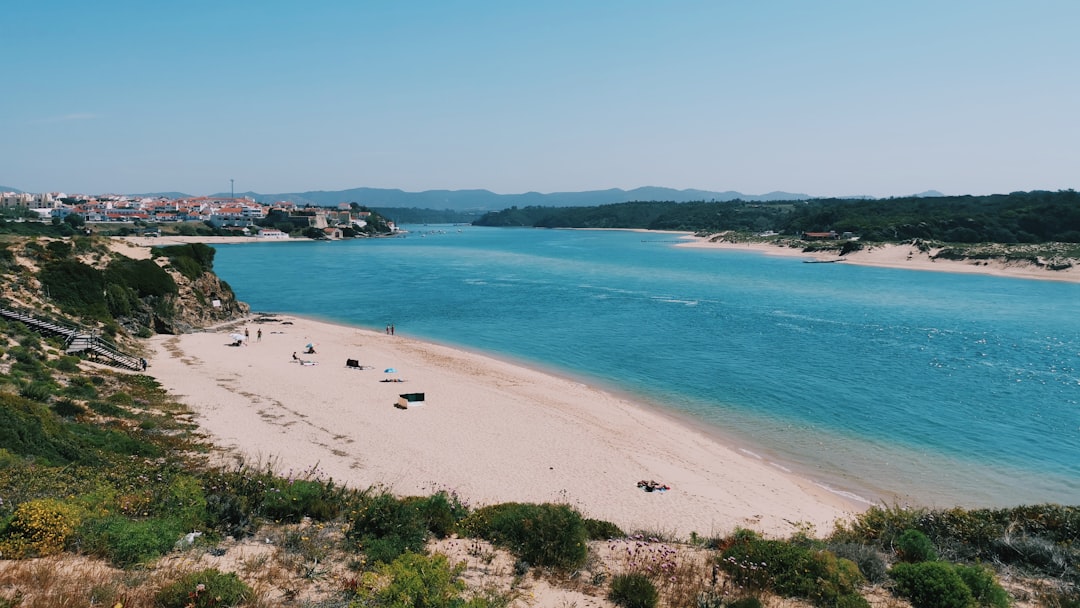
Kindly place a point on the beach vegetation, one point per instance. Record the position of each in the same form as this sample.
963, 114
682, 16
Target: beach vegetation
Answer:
914, 546
792, 570
633, 590
931, 585
204, 589
598, 529
549, 535
415, 580
385, 527
190, 260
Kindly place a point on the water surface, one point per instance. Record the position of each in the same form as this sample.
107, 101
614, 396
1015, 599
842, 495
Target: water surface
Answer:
943, 389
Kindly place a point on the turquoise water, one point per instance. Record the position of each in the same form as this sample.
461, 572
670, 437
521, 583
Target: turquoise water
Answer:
936, 388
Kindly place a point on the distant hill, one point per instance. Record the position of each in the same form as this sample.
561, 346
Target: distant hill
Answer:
162, 195
485, 200
9, 189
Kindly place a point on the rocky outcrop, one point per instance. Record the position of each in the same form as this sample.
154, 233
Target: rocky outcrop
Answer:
200, 303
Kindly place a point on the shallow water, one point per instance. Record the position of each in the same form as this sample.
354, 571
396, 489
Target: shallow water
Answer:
887, 384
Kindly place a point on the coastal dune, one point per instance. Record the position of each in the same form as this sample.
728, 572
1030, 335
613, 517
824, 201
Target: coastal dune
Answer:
489, 430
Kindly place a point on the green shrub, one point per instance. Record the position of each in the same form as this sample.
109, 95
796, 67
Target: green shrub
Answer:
792, 571
441, 512
190, 260
66, 408
414, 581
28, 428
105, 408
385, 528
76, 287
38, 391
144, 277
126, 542
121, 398
745, 602
870, 561
931, 585
983, 586
914, 546
599, 529
204, 589
81, 388
183, 501
292, 500
67, 364
542, 535
633, 590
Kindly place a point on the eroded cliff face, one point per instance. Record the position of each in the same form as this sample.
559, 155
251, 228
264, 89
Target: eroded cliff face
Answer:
203, 302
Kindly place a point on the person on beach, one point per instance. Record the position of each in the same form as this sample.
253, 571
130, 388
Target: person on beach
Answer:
294, 357
258, 335
391, 329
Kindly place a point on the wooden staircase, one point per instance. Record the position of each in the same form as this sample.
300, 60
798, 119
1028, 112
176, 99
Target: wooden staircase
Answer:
78, 340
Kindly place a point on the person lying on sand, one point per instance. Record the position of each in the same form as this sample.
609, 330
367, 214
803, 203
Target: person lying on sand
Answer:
653, 486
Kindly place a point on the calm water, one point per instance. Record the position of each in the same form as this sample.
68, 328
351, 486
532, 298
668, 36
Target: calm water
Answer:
937, 388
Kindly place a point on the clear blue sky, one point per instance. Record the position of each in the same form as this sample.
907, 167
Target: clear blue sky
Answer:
823, 97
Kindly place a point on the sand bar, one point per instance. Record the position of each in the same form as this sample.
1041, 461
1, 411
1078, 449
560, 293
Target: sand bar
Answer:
898, 255
490, 430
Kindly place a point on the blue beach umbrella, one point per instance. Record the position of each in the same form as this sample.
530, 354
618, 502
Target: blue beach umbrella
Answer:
390, 370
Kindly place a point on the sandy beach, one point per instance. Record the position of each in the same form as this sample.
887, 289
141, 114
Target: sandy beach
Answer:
905, 256
489, 430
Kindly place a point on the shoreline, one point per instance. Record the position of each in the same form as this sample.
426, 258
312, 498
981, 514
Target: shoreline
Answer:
490, 430
886, 255
897, 256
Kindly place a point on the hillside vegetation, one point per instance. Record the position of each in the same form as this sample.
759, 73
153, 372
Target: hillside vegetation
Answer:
1020, 217
109, 496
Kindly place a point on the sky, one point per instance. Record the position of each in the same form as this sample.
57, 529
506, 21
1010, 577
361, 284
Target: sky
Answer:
818, 97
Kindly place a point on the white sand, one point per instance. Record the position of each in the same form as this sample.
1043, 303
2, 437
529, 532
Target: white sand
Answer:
489, 430
901, 256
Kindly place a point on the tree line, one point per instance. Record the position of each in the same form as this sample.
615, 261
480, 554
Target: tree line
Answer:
1019, 217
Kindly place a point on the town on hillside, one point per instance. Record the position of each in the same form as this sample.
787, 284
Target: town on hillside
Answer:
239, 215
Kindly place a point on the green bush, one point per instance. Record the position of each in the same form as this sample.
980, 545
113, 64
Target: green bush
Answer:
67, 364
190, 260
542, 535
28, 428
792, 571
292, 500
105, 408
66, 408
931, 585
745, 602
914, 546
126, 542
204, 589
983, 586
386, 528
599, 529
144, 277
414, 581
76, 287
870, 561
38, 391
633, 590
441, 512
184, 502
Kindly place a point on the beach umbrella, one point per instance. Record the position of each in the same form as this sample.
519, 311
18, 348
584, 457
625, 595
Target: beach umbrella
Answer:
237, 337
390, 370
